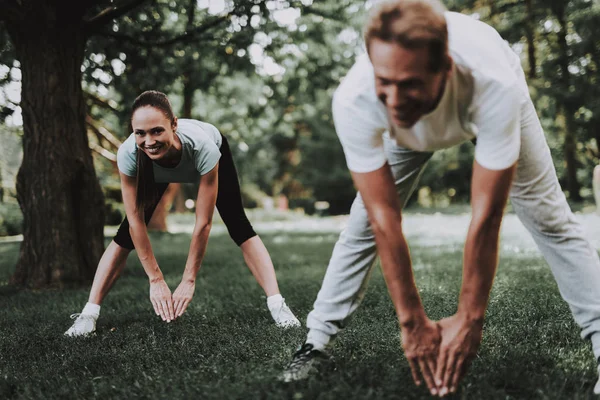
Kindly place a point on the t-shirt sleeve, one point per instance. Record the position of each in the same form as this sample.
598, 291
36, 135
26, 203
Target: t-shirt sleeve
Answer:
207, 157
359, 134
126, 159
497, 117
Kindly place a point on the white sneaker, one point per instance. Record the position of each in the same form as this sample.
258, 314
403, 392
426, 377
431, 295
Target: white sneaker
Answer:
84, 325
283, 316
597, 387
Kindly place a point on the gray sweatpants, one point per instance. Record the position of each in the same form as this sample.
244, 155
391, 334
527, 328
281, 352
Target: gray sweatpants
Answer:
536, 198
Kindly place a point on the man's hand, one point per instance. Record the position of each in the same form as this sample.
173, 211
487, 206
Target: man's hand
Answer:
461, 338
421, 342
160, 296
183, 296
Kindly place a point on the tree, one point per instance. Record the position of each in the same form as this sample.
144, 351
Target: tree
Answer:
57, 187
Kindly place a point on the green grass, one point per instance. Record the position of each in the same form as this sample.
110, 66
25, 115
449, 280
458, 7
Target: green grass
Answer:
226, 346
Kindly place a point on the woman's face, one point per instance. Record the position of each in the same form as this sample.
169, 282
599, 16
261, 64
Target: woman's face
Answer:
154, 132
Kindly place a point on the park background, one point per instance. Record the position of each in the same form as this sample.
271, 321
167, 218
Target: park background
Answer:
262, 72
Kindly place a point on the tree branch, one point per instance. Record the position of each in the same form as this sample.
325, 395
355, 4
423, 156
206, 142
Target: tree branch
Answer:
191, 34
104, 153
100, 102
110, 13
12, 11
102, 132
336, 15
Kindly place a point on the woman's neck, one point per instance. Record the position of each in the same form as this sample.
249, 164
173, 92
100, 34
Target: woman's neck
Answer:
173, 156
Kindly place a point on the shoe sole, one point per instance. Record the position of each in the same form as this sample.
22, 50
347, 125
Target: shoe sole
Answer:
87, 335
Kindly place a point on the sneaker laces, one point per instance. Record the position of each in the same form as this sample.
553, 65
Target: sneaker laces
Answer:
284, 311
301, 357
80, 319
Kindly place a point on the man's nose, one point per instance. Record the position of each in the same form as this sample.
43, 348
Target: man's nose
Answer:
393, 97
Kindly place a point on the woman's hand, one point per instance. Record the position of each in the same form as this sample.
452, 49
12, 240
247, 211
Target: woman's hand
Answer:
183, 296
160, 296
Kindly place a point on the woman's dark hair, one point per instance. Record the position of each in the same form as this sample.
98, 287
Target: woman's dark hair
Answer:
146, 193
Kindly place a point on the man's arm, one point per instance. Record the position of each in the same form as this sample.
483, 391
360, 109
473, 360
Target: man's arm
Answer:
489, 193
383, 206
461, 333
420, 336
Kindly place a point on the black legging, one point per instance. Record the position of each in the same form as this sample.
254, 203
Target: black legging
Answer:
229, 204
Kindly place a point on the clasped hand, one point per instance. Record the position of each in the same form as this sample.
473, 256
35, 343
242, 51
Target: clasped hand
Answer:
168, 306
440, 352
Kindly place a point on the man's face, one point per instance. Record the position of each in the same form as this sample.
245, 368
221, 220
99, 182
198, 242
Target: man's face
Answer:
404, 81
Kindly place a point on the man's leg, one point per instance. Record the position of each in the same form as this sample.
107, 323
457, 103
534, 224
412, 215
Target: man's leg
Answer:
542, 207
354, 254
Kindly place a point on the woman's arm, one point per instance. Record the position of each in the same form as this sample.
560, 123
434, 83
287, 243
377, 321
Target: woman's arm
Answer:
160, 295
205, 206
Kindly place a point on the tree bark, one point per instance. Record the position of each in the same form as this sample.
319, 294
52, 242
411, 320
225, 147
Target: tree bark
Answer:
568, 105
57, 187
596, 187
158, 222
530, 36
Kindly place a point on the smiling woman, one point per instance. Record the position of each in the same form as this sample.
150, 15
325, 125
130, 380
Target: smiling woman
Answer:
163, 149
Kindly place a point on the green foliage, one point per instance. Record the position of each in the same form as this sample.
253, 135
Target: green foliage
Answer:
11, 219
563, 38
267, 83
11, 154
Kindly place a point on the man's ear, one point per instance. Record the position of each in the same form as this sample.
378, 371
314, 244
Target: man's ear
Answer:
449, 64
174, 123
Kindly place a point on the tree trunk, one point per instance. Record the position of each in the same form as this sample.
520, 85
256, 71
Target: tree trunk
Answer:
530, 36
1, 187
174, 193
568, 106
596, 187
158, 222
57, 188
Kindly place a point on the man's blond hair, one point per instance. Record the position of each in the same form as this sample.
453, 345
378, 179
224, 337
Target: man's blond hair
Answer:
411, 24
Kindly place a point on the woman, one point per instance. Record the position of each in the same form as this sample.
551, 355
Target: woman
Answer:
160, 150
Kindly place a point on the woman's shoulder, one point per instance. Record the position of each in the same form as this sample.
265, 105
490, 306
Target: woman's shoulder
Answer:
126, 156
196, 133
128, 147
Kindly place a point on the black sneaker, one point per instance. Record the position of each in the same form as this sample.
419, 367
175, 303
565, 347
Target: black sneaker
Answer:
302, 363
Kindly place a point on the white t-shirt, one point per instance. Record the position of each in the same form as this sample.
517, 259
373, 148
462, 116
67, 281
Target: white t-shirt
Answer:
200, 143
482, 100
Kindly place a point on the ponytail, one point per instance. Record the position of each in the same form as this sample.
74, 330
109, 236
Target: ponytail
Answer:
145, 193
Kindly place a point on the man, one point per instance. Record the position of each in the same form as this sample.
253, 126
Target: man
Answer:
433, 79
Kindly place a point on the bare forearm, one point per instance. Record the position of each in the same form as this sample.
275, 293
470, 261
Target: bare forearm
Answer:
480, 262
141, 241
197, 251
397, 270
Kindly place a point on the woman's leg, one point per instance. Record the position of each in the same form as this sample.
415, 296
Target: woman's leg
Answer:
109, 268
229, 204
259, 262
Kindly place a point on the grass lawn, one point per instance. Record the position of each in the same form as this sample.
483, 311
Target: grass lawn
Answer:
226, 346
